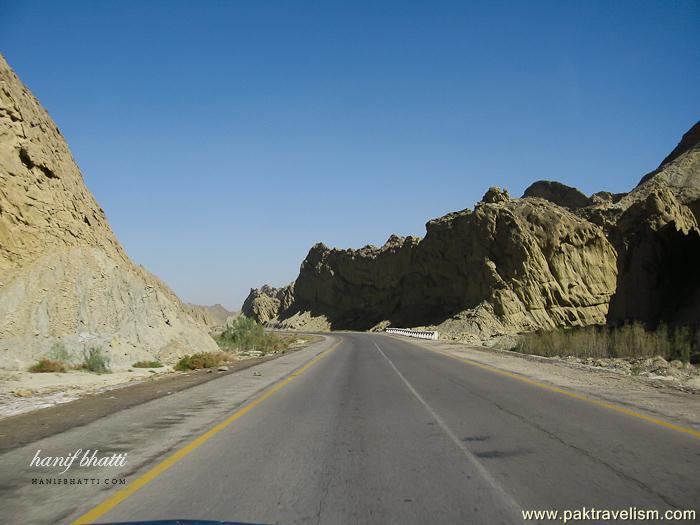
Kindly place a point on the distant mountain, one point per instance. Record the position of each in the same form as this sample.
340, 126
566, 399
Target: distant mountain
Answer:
64, 278
553, 258
211, 316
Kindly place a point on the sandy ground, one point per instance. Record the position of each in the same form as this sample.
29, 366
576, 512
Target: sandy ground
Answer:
656, 396
24, 391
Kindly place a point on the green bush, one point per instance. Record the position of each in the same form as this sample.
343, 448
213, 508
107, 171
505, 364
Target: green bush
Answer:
201, 360
48, 365
94, 360
58, 352
147, 364
246, 334
631, 340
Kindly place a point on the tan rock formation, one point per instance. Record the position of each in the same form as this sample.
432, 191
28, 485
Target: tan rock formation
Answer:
509, 265
659, 245
267, 303
547, 260
64, 277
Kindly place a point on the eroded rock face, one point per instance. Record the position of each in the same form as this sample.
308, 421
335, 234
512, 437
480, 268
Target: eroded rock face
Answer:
535, 263
267, 303
44, 203
506, 266
495, 195
659, 262
354, 288
64, 277
657, 239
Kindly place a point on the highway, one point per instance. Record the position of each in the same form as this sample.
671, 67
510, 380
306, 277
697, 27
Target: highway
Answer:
373, 429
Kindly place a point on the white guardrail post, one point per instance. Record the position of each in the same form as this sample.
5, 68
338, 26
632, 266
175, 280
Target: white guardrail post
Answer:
420, 334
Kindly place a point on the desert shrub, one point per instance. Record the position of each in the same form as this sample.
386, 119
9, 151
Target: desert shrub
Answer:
147, 364
59, 352
631, 340
201, 360
682, 344
94, 360
246, 334
48, 365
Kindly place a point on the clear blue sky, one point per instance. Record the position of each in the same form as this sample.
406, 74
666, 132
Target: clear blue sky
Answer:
223, 139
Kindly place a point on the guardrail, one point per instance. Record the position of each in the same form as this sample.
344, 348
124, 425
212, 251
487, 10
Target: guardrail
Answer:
420, 334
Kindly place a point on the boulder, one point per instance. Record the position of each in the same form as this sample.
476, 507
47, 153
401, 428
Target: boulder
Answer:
558, 193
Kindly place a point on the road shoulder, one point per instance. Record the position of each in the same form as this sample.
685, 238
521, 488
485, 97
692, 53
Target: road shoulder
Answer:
30, 426
648, 397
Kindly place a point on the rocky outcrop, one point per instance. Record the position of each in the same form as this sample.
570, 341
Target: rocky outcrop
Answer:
549, 259
679, 172
64, 277
354, 288
267, 303
506, 266
659, 255
558, 193
657, 240
494, 195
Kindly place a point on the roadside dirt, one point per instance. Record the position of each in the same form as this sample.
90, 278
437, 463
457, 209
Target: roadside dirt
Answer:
23, 391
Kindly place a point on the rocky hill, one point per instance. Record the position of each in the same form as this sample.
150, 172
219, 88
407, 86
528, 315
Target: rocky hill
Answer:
64, 278
554, 257
214, 316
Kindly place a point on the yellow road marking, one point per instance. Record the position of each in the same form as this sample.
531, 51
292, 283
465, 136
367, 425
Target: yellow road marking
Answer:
121, 495
580, 397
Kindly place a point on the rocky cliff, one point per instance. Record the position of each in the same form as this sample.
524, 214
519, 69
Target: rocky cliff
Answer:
659, 263
64, 277
266, 303
517, 263
554, 257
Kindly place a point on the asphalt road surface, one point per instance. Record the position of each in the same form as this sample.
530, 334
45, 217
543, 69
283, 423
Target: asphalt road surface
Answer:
378, 430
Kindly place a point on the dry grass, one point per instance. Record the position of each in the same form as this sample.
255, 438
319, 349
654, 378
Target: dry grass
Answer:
46, 365
202, 360
630, 341
147, 364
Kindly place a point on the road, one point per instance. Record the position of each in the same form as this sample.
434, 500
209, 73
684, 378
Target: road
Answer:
378, 430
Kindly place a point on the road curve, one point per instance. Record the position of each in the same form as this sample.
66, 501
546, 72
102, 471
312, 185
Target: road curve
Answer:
381, 431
